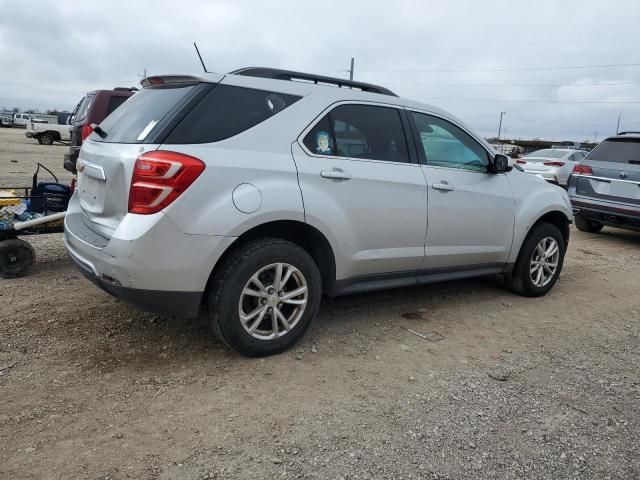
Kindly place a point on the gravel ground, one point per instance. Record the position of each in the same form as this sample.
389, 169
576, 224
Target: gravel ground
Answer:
504, 387
19, 156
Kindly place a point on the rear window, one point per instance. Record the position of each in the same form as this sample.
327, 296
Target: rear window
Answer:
114, 102
548, 153
227, 111
139, 115
617, 150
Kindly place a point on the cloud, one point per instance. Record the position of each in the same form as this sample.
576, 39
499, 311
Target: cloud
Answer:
472, 58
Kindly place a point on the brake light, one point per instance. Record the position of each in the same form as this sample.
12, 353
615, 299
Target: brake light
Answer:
582, 170
159, 178
521, 162
85, 131
554, 164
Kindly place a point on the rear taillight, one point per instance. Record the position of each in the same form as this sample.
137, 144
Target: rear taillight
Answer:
85, 131
521, 162
159, 178
554, 164
582, 170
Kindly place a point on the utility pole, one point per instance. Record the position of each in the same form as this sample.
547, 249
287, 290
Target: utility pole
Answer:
618, 127
351, 69
595, 136
500, 124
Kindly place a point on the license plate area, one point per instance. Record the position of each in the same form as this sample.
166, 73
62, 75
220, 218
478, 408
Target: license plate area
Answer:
624, 189
91, 193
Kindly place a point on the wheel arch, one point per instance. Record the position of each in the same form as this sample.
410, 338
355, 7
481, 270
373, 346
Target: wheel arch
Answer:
300, 233
53, 133
557, 218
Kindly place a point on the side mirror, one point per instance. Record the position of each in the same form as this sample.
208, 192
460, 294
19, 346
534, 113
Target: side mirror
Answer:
501, 164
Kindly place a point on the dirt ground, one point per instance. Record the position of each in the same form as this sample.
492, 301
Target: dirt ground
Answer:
19, 157
504, 387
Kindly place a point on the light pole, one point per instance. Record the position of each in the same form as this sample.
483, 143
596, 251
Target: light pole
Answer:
500, 124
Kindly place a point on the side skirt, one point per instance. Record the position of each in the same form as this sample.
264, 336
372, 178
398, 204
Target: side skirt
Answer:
367, 283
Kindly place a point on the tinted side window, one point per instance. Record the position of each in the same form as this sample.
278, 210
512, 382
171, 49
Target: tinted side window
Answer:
115, 102
446, 145
227, 111
360, 131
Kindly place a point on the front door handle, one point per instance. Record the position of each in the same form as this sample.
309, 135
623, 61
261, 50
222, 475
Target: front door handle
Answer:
335, 174
443, 186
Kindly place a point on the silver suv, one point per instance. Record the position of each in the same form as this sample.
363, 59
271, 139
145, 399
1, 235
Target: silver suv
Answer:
251, 194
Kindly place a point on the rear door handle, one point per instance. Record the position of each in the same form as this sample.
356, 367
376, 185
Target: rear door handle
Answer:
443, 186
335, 174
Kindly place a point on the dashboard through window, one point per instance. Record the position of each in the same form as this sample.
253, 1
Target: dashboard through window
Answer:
446, 145
360, 131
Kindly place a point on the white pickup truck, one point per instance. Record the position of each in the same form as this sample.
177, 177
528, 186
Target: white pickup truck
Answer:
47, 133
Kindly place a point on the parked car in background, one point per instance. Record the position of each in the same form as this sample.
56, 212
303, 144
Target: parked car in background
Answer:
605, 188
6, 119
92, 109
553, 164
21, 119
253, 193
48, 133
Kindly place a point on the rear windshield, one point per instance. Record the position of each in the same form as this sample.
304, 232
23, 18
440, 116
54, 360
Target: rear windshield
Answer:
548, 153
617, 150
138, 116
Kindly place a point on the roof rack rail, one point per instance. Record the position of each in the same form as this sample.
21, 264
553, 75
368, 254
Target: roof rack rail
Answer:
628, 132
278, 74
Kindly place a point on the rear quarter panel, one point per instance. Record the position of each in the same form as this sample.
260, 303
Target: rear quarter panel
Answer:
261, 157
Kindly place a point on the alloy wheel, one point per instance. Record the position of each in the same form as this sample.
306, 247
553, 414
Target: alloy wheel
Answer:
273, 301
544, 261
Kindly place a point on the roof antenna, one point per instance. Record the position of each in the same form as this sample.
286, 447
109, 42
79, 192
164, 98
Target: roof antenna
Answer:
200, 57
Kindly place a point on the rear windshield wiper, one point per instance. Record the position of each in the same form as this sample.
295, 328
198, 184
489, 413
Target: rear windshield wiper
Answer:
96, 128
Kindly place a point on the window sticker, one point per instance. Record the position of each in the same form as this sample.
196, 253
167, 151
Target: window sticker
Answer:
323, 143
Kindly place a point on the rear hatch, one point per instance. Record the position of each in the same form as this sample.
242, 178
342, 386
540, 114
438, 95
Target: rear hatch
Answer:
106, 160
615, 172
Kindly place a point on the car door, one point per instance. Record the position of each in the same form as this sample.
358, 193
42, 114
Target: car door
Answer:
361, 189
470, 211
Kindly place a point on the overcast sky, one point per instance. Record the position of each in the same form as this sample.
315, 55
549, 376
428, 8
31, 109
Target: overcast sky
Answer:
473, 58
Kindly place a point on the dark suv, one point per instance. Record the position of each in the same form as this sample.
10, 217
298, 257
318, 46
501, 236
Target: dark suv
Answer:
93, 108
605, 187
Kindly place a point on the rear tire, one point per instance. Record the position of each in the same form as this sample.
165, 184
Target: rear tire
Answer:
534, 274
45, 139
585, 225
16, 258
250, 309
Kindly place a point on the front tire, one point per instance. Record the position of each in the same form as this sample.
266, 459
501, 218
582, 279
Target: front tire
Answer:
539, 263
585, 225
264, 296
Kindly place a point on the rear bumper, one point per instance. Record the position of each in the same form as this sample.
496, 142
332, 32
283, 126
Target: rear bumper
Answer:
613, 215
147, 261
550, 176
181, 304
